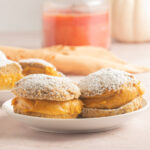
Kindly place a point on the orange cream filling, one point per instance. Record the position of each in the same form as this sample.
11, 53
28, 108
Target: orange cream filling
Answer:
36, 70
48, 107
52, 72
8, 81
114, 100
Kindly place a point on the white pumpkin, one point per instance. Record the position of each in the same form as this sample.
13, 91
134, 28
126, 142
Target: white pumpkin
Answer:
131, 20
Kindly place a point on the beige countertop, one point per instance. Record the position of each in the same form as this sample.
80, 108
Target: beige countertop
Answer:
135, 135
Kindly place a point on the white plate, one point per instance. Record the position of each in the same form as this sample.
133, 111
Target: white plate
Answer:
5, 95
83, 125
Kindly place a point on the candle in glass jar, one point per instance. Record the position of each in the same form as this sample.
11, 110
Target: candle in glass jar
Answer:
76, 28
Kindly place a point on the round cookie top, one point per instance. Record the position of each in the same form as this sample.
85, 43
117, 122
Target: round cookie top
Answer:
44, 87
36, 62
97, 83
5, 62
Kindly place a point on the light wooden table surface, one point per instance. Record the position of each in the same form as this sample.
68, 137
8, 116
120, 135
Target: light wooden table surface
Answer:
133, 136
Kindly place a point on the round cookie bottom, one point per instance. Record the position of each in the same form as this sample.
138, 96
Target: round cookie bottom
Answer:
134, 105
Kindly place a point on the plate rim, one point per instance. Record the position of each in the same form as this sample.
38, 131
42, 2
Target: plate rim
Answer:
12, 113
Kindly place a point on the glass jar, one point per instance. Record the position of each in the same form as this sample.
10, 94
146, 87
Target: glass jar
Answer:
76, 23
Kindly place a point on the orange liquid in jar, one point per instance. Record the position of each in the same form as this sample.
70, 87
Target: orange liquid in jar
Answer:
76, 29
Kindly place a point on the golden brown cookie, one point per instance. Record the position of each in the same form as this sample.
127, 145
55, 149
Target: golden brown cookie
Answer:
109, 89
44, 87
134, 105
10, 72
47, 96
38, 66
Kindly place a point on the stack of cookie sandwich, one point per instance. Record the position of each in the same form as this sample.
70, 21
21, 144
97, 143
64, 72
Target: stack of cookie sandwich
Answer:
47, 96
10, 72
38, 66
110, 92
107, 92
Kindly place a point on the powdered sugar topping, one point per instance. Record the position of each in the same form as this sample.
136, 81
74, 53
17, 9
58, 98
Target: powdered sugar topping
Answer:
105, 79
4, 62
2, 56
44, 87
37, 61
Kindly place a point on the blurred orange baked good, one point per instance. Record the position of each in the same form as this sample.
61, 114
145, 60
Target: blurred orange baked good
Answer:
38, 66
47, 96
10, 72
76, 60
109, 92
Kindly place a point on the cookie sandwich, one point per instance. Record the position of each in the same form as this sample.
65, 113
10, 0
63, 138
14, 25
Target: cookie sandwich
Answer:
47, 96
110, 92
38, 66
10, 72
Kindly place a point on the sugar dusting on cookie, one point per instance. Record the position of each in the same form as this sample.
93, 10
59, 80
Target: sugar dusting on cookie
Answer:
44, 87
5, 62
37, 61
105, 79
2, 56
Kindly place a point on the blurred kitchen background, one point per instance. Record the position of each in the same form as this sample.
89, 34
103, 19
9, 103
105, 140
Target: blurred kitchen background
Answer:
20, 15
21, 25
20, 20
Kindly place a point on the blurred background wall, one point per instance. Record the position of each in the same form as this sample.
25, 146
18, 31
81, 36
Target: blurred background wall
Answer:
20, 15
